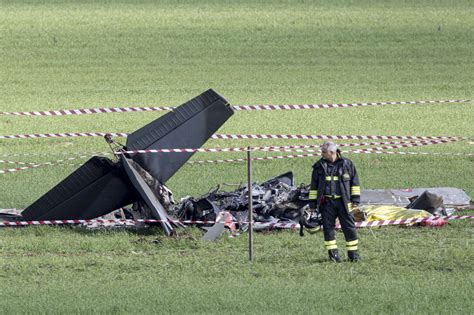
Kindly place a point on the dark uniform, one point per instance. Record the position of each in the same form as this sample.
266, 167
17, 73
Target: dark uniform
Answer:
334, 188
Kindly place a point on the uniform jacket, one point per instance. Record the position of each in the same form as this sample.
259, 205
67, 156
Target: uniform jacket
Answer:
346, 174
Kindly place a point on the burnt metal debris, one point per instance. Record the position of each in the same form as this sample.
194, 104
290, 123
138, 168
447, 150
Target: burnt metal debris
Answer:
275, 200
102, 185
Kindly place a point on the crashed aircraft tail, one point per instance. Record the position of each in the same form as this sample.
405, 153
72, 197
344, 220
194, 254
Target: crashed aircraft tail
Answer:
96, 188
101, 185
188, 126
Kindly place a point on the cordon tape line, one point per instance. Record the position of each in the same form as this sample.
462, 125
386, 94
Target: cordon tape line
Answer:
367, 224
329, 137
92, 221
17, 162
407, 153
278, 157
294, 156
65, 135
338, 105
201, 162
32, 165
262, 224
91, 154
71, 154
68, 112
236, 136
283, 147
17, 169
280, 148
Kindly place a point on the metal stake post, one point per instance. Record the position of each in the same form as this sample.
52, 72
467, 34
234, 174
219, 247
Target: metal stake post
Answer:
250, 198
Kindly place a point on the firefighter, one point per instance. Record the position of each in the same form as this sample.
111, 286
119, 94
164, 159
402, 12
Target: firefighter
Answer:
333, 192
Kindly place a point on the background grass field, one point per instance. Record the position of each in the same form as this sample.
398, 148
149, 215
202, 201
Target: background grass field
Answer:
70, 54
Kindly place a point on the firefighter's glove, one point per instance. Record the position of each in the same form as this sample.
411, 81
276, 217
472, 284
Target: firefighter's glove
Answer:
311, 224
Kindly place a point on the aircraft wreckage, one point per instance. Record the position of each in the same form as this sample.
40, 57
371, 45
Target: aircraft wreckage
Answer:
135, 183
102, 185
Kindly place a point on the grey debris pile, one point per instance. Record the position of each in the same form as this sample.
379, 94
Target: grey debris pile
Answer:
273, 199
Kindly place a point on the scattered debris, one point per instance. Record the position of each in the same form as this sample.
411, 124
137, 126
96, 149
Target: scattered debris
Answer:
275, 200
453, 197
429, 202
279, 201
224, 219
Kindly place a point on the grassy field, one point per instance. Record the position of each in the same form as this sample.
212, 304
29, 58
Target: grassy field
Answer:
71, 54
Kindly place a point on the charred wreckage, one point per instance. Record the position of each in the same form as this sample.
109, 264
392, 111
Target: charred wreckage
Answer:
135, 183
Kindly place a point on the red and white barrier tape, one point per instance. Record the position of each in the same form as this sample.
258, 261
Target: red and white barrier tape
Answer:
91, 154
12, 170
277, 157
262, 224
366, 224
407, 153
295, 156
329, 137
17, 162
317, 106
72, 222
266, 158
36, 165
360, 144
65, 135
237, 136
202, 162
281, 148
68, 112
71, 154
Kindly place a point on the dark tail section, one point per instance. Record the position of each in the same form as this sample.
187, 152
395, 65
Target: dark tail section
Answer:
96, 188
188, 126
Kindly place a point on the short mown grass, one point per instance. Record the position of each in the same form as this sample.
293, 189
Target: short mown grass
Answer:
409, 270
82, 54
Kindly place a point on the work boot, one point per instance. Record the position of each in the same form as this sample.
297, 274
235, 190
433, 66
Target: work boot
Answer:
334, 256
353, 256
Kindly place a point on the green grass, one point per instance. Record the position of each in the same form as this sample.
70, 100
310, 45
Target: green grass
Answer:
69, 54
410, 270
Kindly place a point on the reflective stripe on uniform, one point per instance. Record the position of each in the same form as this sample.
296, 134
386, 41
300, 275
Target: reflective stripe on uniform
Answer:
333, 196
352, 245
355, 190
313, 195
329, 178
330, 244
313, 230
